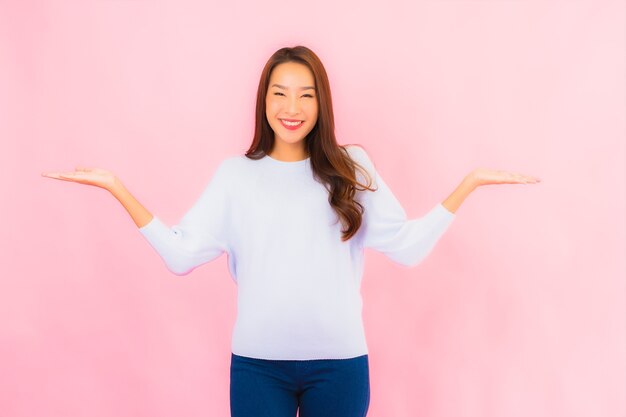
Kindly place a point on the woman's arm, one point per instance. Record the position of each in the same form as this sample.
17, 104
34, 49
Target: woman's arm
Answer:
481, 176
199, 237
140, 215
454, 200
105, 179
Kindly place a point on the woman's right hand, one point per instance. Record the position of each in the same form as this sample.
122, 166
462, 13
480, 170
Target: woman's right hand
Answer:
91, 176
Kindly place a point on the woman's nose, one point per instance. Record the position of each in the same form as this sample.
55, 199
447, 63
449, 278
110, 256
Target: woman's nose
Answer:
293, 106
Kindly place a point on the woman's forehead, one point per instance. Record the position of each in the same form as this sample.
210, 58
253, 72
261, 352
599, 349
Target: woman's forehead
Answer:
292, 75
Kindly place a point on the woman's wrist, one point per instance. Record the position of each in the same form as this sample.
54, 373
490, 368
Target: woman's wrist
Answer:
116, 186
472, 180
456, 198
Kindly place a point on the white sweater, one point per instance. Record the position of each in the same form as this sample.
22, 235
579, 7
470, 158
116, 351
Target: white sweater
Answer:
298, 284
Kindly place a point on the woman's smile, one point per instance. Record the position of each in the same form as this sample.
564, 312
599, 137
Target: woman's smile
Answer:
291, 125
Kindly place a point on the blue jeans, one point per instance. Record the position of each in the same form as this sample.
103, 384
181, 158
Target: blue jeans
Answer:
318, 387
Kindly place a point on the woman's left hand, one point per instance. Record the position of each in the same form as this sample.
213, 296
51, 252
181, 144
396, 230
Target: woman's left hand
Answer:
482, 176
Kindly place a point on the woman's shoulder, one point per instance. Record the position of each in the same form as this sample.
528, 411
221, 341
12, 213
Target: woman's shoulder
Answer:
238, 167
356, 150
227, 169
234, 163
358, 154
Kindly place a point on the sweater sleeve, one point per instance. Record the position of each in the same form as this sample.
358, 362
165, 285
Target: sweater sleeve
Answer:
201, 235
386, 227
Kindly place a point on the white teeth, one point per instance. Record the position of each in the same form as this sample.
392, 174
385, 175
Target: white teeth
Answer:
291, 123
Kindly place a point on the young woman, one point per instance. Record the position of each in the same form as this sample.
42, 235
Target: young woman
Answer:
293, 215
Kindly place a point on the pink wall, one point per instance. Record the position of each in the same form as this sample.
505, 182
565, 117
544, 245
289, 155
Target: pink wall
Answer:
519, 311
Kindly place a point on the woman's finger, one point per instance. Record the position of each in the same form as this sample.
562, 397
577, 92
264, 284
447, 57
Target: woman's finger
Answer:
59, 176
505, 177
526, 179
50, 174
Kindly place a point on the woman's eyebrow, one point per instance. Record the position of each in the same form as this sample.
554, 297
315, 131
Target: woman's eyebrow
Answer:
301, 88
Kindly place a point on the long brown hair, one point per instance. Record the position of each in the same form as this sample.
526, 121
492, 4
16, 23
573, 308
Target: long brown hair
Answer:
331, 164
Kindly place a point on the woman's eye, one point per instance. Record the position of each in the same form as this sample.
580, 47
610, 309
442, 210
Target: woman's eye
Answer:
281, 94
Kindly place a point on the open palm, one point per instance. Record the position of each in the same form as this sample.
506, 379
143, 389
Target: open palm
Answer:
484, 176
91, 176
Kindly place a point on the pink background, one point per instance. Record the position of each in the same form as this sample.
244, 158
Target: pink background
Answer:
519, 311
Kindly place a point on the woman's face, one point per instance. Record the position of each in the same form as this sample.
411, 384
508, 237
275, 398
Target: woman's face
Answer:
291, 96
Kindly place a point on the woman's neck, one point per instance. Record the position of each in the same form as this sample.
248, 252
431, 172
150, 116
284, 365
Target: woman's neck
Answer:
295, 152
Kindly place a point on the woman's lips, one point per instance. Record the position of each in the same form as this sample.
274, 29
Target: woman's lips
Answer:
291, 126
